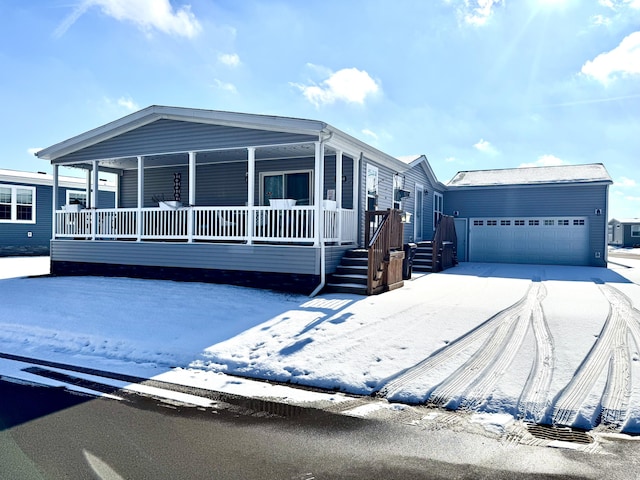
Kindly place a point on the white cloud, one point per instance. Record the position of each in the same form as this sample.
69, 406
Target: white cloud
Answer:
544, 161
485, 147
33, 151
228, 87
618, 4
625, 182
128, 104
623, 60
348, 85
601, 20
450, 159
370, 133
476, 12
229, 59
147, 15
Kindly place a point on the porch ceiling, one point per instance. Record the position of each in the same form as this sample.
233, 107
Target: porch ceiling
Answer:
215, 156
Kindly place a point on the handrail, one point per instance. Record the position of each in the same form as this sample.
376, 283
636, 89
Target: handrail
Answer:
386, 237
444, 236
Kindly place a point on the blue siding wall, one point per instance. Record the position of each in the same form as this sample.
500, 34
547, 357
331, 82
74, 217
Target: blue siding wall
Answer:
14, 237
164, 136
579, 200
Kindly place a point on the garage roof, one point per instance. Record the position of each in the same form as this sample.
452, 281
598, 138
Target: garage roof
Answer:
588, 173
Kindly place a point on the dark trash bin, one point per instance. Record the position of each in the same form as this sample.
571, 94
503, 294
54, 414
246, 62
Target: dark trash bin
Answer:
407, 263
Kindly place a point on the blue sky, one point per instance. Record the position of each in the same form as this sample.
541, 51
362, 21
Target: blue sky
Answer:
472, 84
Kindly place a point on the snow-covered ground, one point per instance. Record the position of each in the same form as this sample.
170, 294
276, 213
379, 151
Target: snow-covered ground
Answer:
537, 343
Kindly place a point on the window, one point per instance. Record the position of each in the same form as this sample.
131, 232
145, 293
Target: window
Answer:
519, 223
295, 185
505, 222
563, 222
77, 197
578, 222
438, 204
478, 223
635, 230
534, 223
549, 223
492, 223
17, 204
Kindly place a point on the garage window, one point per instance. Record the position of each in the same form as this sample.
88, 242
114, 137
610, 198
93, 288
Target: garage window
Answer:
534, 223
578, 222
492, 223
478, 223
519, 223
505, 222
563, 222
635, 230
549, 223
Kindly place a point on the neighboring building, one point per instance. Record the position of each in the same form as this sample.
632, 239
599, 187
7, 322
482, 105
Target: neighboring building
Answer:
262, 200
26, 209
546, 215
624, 232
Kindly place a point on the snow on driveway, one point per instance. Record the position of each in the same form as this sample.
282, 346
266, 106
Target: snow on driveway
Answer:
541, 343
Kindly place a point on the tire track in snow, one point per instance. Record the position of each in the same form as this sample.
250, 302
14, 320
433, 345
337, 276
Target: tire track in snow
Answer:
445, 354
610, 352
471, 383
535, 395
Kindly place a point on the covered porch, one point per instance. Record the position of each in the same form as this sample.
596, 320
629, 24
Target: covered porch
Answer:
287, 194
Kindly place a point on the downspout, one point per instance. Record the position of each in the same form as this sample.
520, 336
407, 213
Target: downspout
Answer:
323, 254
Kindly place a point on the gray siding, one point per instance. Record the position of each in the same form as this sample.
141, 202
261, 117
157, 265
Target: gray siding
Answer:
254, 258
223, 184
538, 201
177, 136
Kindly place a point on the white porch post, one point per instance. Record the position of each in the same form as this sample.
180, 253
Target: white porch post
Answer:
318, 193
339, 193
356, 196
192, 194
251, 178
54, 201
140, 196
87, 188
95, 174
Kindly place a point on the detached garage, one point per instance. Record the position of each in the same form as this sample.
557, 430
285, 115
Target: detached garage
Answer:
544, 215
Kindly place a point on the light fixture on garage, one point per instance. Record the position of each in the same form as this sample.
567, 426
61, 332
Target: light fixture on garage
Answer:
598, 211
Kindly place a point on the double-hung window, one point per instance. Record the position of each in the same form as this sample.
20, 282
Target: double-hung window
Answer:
635, 230
17, 204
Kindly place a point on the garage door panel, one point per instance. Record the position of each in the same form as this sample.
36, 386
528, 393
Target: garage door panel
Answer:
560, 240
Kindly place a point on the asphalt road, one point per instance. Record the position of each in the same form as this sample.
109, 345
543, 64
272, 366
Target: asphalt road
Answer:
49, 433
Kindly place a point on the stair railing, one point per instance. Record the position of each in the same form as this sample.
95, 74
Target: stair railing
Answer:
383, 234
444, 244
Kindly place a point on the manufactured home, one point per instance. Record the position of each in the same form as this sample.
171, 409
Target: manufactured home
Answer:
26, 208
624, 232
264, 201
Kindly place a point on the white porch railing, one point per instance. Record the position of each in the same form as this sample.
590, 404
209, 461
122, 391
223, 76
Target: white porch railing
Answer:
295, 224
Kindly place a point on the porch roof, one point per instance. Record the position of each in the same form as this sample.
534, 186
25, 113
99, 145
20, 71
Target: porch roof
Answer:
336, 139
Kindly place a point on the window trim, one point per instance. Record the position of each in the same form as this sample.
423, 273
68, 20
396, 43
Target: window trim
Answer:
14, 203
635, 229
83, 192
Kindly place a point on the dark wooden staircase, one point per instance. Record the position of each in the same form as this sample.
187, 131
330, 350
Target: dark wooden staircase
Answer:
423, 259
351, 275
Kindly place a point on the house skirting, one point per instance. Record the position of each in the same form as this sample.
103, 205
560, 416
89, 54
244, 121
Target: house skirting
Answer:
288, 282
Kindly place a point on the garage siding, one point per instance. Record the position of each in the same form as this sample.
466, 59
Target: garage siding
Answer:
553, 201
